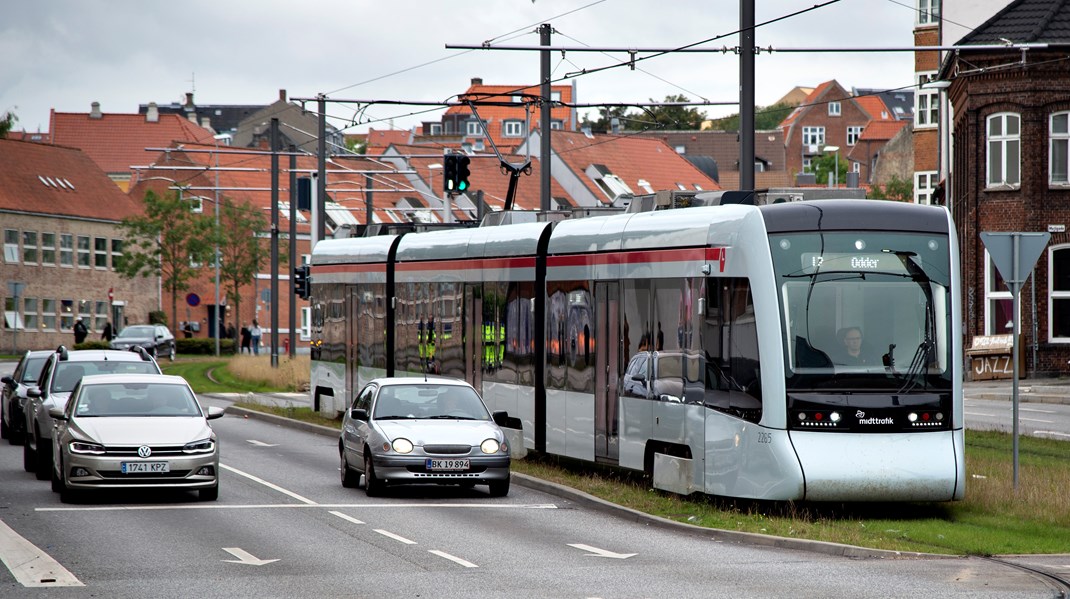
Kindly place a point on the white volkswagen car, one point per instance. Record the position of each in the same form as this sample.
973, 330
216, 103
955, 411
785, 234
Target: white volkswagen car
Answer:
134, 430
423, 430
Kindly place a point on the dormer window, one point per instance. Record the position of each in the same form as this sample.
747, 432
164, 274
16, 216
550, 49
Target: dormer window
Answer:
473, 128
513, 129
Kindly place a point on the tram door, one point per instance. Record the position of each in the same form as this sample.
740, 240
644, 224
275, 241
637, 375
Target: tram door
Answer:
473, 336
607, 370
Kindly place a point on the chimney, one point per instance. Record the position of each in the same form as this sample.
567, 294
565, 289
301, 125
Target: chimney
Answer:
152, 114
207, 124
189, 101
477, 81
94, 113
282, 95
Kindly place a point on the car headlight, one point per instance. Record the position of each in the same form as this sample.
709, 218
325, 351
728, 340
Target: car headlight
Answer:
490, 446
402, 445
84, 447
202, 446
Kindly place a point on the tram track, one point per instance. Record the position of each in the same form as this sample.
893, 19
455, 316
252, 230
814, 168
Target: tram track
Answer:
1058, 584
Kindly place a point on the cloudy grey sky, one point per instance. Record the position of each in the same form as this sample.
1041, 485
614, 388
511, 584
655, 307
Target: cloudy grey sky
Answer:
66, 54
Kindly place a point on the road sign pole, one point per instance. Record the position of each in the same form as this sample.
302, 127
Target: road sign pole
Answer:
1016, 287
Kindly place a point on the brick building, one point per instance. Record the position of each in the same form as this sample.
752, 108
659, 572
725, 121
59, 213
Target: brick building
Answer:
1009, 170
60, 215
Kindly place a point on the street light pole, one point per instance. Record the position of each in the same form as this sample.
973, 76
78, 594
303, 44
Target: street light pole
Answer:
834, 180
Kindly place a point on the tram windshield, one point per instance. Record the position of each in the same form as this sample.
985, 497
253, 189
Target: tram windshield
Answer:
865, 310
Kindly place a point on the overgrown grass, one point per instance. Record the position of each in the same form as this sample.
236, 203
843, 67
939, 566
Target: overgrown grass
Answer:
241, 374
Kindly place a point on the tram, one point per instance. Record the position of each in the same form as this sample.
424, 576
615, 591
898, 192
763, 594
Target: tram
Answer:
798, 351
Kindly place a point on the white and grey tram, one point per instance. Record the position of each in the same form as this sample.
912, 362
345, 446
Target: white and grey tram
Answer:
797, 351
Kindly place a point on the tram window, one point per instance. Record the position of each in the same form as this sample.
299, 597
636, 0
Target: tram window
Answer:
730, 346
638, 336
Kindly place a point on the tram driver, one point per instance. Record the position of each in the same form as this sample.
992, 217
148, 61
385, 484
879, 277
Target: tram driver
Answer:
851, 340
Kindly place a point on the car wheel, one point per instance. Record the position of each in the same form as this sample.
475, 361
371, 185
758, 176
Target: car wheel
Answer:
5, 433
44, 460
29, 456
57, 482
499, 488
372, 485
209, 494
171, 356
350, 478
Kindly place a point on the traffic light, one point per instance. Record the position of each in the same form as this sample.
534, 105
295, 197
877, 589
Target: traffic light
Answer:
449, 173
302, 284
463, 172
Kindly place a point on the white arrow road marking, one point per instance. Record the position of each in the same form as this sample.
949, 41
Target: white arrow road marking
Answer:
30, 566
244, 557
269, 485
596, 552
346, 517
261, 443
399, 538
453, 558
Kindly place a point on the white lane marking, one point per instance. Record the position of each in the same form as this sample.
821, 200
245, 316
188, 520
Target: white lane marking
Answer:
346, 517
261, 443
1034, 420
30, 566
596, 552
268, 485
399, 538
1036, 410
244, 557
453, 558
260, 506
1053, 433
969, 413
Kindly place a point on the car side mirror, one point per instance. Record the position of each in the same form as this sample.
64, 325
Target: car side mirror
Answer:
214, 412
358, 414
34, 392
10, 382
57, 414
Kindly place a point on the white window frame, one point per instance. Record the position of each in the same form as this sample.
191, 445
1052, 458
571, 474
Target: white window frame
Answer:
923, 194
926, 102
853, 133
807, 164
48, 314
1005, 141
928, 12
813, 135
1062, 139
992, 296
835, 109
29, 248
100, 253
11, 246
196, 204
513, 128
84, 249
472, 128
436, 128
29, 313
48, 249
1062, 295
66, 250
557, 125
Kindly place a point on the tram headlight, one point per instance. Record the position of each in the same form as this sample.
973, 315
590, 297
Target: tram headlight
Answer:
913, 417
802, 416
835, 416
939, 416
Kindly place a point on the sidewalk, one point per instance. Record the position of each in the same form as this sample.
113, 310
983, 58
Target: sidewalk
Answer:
1044, 390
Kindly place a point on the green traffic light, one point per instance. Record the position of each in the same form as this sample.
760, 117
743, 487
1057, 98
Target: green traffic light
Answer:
463, 185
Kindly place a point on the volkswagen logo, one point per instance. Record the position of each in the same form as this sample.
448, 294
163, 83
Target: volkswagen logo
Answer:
144, 451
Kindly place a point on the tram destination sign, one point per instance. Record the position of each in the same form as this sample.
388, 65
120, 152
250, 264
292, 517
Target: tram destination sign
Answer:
868, 262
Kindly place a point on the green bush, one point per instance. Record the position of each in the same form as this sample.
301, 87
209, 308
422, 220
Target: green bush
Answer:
204, 347
94, 344
158, 317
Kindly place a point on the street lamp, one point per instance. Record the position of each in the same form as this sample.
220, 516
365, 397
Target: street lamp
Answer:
835, 180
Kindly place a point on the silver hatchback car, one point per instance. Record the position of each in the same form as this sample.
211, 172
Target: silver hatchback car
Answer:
416, 430
134, 430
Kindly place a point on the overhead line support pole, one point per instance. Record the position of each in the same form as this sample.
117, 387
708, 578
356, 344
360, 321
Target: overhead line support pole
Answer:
544, 122
320, 226
746, 95
274, 243
293, 251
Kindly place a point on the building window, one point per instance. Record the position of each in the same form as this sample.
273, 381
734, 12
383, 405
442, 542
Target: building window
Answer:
835, 109
29, 313
924, 183
807, 164
513, 128
555, 96
998, 301
29, 247
928, 12
117, 253
1058, 138
1059, 284
66, 249
83, 250
48, 249
853, 133
1004, 150
473, 128
66, 315
557, 125
680, 149
100, 252
85, 308
436, 128
48, 314
196, 204
926, 102
11, 246
813, 136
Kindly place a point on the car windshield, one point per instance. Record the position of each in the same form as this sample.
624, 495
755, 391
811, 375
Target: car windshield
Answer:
136, 399
69, 373
33, 369
138, 331
429, 401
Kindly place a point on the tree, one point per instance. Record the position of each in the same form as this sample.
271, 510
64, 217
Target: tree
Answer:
675, 117
166, 241
7, 123
897, 189
822, 167
606, 114
765, 118
242, 255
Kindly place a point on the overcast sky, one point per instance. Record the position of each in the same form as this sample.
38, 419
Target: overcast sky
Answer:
66, 54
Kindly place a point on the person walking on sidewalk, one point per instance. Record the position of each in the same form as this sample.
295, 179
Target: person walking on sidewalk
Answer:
246, 340
255, 332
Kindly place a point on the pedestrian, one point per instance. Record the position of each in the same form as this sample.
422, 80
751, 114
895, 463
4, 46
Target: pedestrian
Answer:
230, 332
187, 330
80, 332
255, 333
246, 340
108, 334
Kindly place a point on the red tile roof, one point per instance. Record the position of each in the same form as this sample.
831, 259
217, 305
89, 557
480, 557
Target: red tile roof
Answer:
47, 179
875, 107
494, 116
881, 130
380, 139
118, 141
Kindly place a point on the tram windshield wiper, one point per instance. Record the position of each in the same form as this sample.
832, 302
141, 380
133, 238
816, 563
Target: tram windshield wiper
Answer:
919, 364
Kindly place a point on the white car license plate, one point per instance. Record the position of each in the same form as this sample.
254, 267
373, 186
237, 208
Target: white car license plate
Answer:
439, 465
142, 467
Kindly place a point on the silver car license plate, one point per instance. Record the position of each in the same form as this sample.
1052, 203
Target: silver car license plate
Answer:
145, 467
445, 465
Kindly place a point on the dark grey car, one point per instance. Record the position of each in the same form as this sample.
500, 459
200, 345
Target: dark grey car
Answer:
155, 338
13, 394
